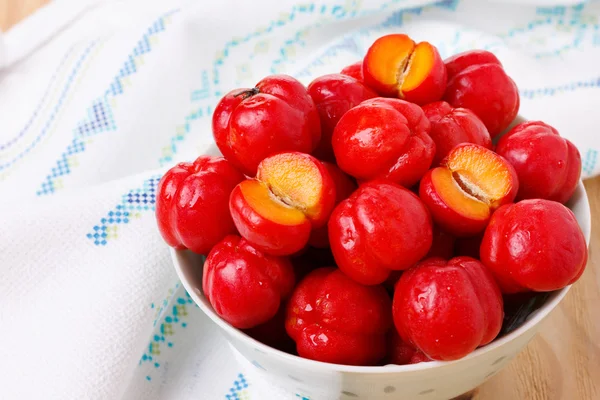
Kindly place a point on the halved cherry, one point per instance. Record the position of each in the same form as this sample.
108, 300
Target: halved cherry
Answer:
396, 66
292, 194
471, 183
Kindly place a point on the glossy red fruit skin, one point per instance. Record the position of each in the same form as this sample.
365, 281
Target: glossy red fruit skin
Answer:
245, 286
277, 115
448, 308
266, 235
334, 319
442, 245
534, 245
402, 353
548, 166
380, 228
191, 203
344, 187
452, 126
334, 95
384, 139
354, 70
477, 81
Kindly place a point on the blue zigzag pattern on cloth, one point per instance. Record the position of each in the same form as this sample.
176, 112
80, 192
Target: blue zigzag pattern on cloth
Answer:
568, 87
99, 115
238, 391
577, 21
171, 317
51, 83
339, 12
170, 150
239, 385
132, 203
53, 113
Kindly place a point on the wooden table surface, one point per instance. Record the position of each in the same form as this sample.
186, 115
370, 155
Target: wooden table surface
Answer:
563, 361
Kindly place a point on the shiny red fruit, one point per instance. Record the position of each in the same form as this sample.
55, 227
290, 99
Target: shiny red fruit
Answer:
402, 353
384, 139
334, 319
534, 245
354, 70
448, 308
452, 126
245, 286
548, 166
382, 227
191, 203
477, 81
277, 115
334, 95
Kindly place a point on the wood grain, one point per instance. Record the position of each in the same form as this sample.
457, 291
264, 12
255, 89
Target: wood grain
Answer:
563, 361
13, 11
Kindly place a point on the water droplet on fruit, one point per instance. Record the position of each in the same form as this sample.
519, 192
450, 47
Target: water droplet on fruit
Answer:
308, 308
560, 163
448, 288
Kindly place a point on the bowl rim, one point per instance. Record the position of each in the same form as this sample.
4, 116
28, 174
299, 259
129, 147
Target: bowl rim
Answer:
534, 319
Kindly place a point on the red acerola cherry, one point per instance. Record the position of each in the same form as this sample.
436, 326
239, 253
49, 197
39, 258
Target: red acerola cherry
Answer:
477, 81
548, 166
402, 353
334, 319
275, 116
384, 139
534, 245
448, 308
334, 95
453, 126
354, 70
245, 286
191, 203
380, 228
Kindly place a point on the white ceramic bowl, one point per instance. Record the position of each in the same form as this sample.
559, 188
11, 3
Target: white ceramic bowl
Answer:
426, 381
